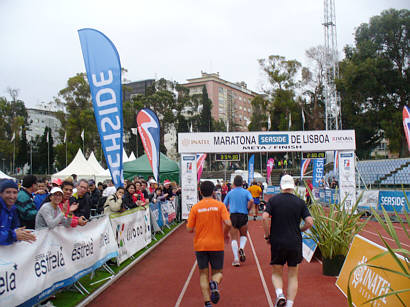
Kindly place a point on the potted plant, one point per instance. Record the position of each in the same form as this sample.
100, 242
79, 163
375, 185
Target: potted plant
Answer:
333, 232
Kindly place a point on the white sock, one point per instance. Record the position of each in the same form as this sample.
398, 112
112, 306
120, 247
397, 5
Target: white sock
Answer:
279, 291
234, 244
289, 303
242, 241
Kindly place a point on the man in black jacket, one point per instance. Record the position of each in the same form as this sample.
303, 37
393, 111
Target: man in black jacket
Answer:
83, 199
94, 194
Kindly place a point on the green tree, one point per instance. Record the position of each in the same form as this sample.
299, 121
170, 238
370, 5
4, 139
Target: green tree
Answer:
205, 121
260, 112
44, 153
374, 83
23, 149
313, 79
281, 74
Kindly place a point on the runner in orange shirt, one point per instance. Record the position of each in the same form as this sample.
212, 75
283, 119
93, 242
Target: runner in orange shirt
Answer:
256, 192
210, 220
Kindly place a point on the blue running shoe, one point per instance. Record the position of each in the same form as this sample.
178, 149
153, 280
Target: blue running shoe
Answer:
213, 285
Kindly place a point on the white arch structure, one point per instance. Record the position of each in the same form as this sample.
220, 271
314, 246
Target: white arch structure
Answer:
342, 141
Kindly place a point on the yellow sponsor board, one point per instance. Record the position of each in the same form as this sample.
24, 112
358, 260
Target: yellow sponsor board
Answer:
366, 282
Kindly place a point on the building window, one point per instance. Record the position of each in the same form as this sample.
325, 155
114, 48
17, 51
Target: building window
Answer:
221, 90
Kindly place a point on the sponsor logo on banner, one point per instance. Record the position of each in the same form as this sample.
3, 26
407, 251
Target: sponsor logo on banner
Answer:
50, 261
368, 282
130, 228
8, 279
393, 200
82, 249
273, 139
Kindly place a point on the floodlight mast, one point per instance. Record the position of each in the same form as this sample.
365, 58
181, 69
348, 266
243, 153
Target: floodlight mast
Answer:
332, 99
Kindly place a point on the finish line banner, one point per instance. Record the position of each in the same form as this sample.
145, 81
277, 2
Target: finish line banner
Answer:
29, 273
279, 141
132, 231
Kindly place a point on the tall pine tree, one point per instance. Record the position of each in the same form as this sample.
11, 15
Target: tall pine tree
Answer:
205, 122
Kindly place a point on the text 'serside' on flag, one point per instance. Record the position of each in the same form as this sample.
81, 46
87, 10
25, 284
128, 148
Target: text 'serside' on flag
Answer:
149, 129
406, 124
103, 68
251, 169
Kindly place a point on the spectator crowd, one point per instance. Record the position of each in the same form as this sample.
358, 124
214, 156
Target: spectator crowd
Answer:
37, 203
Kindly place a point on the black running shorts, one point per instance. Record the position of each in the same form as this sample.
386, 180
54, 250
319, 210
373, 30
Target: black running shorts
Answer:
283, 255
215, 258
239, 219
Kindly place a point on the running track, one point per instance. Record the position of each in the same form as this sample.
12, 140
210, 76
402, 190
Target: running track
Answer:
169, 277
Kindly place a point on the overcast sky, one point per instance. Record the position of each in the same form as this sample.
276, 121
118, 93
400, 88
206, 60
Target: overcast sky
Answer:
176, 40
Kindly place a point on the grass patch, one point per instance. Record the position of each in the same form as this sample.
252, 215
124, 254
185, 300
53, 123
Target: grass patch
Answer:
68, 298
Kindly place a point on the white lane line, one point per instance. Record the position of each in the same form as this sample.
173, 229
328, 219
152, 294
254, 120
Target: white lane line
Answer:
265, 287
386, 238
186, 285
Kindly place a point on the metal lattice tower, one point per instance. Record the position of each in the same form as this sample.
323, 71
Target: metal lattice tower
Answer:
332, 99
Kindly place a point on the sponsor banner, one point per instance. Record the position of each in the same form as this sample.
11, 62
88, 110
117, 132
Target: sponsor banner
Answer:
29, 273
269, 167
369, 200
406, 124
308, 245
149, 130
132, 230
303, 167
168, 209
266, 141
103, 67
393, 200
251, 169
272, 189
200, 160
347, 179
318, 171
157, 213
189, 193
367, 282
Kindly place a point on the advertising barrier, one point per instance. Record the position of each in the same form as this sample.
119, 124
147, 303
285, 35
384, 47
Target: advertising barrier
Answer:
308, 246
132, 230
393, 200
368, 282
58, 258
168, 209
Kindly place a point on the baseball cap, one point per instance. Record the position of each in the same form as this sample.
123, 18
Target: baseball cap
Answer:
286, 182
57, 181
91, 182
55, 190
152, 181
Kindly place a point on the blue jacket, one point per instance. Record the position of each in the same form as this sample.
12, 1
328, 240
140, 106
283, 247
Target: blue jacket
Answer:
9, 221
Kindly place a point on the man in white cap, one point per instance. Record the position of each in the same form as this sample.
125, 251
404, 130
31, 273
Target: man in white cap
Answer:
283, 233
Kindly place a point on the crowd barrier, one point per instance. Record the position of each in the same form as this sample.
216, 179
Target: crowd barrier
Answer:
29, 273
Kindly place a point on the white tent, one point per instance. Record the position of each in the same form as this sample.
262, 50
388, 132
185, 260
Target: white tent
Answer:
78, 166
100, 173
132, 157
4, 176
124, 156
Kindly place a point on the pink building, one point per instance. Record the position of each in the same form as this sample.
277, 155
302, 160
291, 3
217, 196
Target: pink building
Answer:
231, 102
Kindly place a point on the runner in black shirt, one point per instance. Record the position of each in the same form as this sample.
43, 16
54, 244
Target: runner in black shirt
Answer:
284, 235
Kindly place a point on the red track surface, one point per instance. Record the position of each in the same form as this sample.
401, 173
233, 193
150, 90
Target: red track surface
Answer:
159, 279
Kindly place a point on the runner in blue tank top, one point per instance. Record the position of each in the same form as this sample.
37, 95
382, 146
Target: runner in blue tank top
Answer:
238, 201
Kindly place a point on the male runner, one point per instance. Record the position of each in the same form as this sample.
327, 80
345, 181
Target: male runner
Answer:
284, 235
210, 219
256, 192
238, 201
